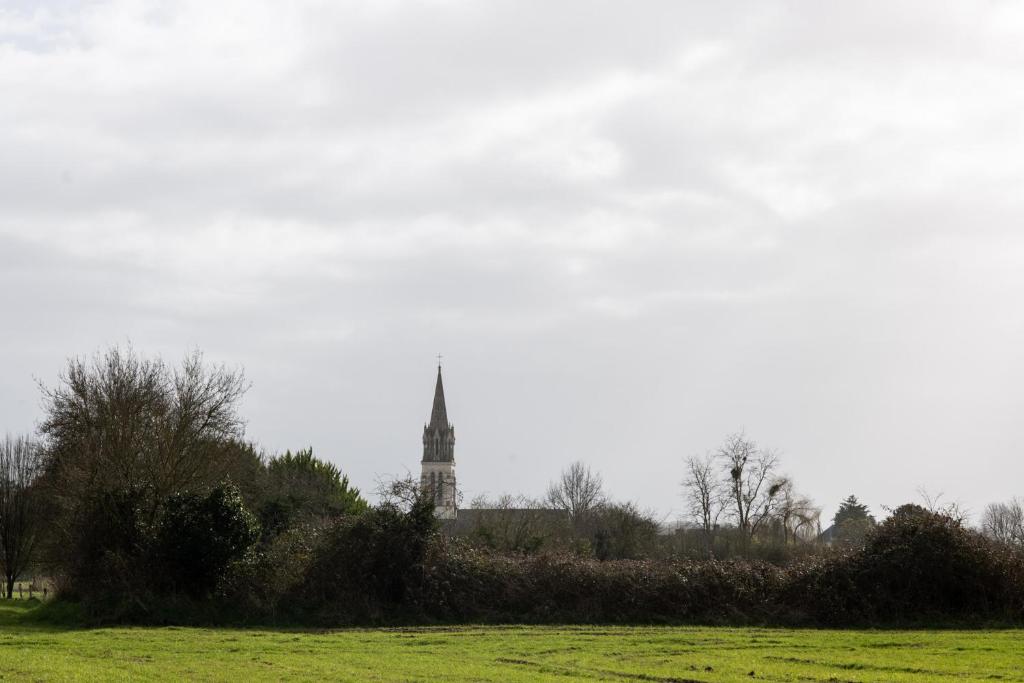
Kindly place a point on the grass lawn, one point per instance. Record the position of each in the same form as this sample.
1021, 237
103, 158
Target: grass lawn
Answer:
31, 651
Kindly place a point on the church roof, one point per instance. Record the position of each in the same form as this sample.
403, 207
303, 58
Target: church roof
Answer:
439, 413
470, 519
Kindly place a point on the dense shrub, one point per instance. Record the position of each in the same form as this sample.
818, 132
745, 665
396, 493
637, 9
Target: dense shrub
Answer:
198, 537
916, 566
465, 584
130, 560
260, 586
364, 565
620, 531
388, 566
106, 560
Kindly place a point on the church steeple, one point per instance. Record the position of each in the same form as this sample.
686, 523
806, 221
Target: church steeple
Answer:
438, 434
438, 465
439, 413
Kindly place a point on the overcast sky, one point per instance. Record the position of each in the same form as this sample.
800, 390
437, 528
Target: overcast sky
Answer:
631, 228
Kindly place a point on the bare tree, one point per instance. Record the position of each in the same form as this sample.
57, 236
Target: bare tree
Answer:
402, 492
119, 425
799, 517
20, 466
578, 491
753, 487
704, 495
1004, 522
123, 422
934, 503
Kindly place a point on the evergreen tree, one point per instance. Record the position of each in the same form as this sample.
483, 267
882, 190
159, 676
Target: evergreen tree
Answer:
852, 521
304, 487
852, 509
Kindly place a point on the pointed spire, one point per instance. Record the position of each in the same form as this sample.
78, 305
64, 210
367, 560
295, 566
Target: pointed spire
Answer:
439, 413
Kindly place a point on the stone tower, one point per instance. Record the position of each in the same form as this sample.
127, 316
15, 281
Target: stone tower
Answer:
438, 474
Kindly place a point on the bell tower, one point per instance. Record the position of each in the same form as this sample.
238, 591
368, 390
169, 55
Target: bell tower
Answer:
438, 465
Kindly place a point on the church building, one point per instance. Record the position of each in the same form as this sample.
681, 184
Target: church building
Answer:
438, 465
437, 481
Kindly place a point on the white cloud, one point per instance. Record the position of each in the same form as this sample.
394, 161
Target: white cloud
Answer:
799, 219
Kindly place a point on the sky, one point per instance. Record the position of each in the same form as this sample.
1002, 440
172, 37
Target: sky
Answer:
631, 229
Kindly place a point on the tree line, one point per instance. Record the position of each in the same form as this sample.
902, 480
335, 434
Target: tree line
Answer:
139, 491
140, 472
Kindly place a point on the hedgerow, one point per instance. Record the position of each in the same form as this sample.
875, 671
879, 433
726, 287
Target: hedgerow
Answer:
388, 566
917, 567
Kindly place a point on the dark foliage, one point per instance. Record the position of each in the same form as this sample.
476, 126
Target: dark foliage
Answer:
22, 507
852, 509
125, 565
465, 584
303, 489
365, 565
917, 566
388, 565
106, 562
260, 586
199, 536
620, 531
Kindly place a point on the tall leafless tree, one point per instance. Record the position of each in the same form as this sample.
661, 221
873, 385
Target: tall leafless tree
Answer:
20, 466
578, 491
798, 516
121, 424
1004, 522
121, 421
703, 491
752, 484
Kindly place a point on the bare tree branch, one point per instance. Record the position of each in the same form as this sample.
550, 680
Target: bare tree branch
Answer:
751, 482
705, 496
20, 467
578, 491
1004, 522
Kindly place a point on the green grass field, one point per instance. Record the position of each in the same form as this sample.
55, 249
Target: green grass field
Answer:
30, 651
